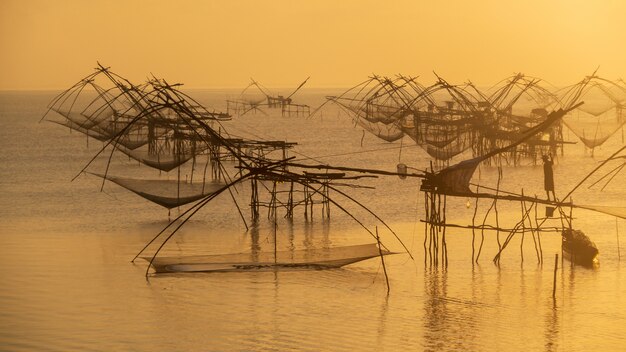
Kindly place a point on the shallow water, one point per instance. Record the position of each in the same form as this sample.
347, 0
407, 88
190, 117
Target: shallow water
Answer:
68, 284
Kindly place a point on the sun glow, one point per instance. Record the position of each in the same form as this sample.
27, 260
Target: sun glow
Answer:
222, 44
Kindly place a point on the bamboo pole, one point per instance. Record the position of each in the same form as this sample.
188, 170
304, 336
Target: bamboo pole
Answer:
426, 211
444, 251
437, 228
594, 170
473, 230
382, 259
495, 207
521, 245
493, 228
619, 256
430, 230
530, 222
275, 232
305, 191
556, 265
496, 259
290, 202
538, 236
482, 232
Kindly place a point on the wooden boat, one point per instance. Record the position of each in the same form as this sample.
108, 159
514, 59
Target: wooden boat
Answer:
319, 258
578, 248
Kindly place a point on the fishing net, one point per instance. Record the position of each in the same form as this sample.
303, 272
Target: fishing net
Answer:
446, 120
152, 123
305, 258
519, 97
453, 179
167, 154
601, 115
595, 129
388, 133
615, 211
386, 114
448, 151
166, 193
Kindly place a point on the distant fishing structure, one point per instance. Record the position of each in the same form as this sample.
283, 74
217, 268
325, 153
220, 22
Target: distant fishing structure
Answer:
255, 96
602, 115
446, 120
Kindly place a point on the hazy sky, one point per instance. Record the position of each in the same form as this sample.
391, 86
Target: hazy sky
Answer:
52, 44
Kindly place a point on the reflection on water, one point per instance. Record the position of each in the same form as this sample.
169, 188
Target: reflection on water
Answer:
451, 323
552, 327
435, 310
71, 278
382, 323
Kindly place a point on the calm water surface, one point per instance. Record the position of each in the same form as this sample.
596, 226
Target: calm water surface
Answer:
68, 284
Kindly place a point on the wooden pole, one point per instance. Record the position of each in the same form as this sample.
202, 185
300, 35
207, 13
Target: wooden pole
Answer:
532, 231
495, 207
437, 228
538, 235
382, 259
275, 237
556, 265
521, 245
444, 251
425, 225
482, 232
204, 176
571, 214
619, 256
306, 200
290, 202
473, 230
178, 185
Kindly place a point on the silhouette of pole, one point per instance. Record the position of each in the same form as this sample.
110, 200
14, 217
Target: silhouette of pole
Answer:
619, 256
382, 259
556, 266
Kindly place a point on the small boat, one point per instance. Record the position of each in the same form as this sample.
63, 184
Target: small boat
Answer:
305, 259
578, 248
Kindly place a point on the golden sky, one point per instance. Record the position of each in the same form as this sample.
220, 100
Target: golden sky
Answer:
205, 44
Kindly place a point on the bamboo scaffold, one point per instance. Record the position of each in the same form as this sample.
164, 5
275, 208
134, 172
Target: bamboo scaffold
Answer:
256, 96
173, 129
161, 127
454, 181
172, 122
602, 115
447, 120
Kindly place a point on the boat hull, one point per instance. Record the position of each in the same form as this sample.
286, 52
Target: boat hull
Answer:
579, 249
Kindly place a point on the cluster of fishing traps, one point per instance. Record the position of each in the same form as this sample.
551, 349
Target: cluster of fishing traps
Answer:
255, 97
447, 120
162, 127
505, 124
